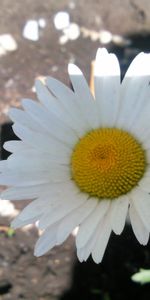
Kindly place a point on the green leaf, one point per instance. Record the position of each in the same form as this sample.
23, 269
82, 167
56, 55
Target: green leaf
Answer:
10, 232
95, 291
143, 276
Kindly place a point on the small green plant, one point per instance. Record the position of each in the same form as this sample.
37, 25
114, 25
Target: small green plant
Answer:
142, 277
10, 232
105, 296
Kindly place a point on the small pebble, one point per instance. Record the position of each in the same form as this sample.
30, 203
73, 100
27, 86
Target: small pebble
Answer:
61, 20
42, 23
105, 37
7, 44
31, 30
72, 32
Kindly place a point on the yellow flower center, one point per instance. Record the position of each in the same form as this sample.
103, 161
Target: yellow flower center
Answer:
107, 163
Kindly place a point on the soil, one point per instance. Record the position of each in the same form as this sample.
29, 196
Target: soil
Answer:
58, 275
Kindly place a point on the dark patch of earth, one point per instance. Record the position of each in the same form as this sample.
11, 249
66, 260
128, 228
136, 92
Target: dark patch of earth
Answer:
22, 276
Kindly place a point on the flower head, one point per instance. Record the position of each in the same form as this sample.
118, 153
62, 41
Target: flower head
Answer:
84, 160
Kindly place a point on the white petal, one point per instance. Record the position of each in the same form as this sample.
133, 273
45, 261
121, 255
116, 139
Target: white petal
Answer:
23, 179
49, 199
50, 122
141, 201
80, 254
24, 193
146, 143
98, 241
42, 141
54, 154
119, 209
20, 116
68, 99
84, 97
45, 97
103, 234
45, 159
74, 219
139, 67
3, 165
65, 114
36, 208
65, 207
147, 154
144, 184
133, 89
140, 231
16, 146
31, 177
141, 113
55, 151
17, 223
84, 252
87, 228
46, 241
107, 87
36, 162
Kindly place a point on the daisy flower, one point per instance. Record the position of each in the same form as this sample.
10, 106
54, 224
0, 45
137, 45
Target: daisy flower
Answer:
84, 160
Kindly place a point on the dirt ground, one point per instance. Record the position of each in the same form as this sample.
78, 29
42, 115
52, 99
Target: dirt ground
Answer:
57, 275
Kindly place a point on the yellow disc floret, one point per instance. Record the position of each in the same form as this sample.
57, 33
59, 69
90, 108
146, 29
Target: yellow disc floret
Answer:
107, 163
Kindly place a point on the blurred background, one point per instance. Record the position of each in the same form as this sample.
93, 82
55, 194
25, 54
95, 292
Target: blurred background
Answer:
39, 38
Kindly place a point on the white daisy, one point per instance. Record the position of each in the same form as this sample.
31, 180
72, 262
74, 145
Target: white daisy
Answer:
84, 161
